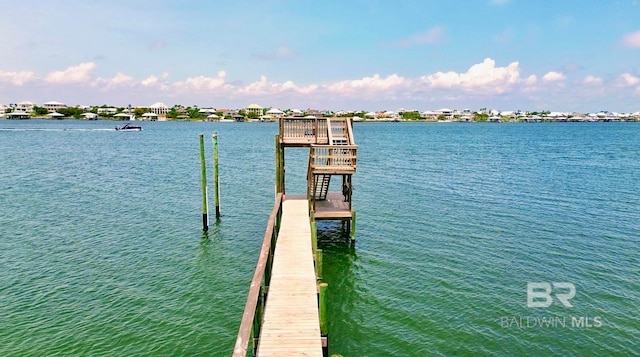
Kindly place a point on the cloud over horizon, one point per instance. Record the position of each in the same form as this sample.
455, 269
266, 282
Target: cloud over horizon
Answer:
480, 80
74, 74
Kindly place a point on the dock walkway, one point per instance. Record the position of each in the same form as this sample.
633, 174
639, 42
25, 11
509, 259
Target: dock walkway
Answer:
291, 324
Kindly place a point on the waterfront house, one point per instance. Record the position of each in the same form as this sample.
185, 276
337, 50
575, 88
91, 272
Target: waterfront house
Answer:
447, 113
429, 115
54, 106
296, 113
159, 109
207, 111
275, 113
26, 107
315, 112
107, 111
254, 109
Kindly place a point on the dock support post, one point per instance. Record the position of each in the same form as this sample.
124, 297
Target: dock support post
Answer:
319, 264
279, 167
314, 232
216, 181
203, 180
353, 226
322, 305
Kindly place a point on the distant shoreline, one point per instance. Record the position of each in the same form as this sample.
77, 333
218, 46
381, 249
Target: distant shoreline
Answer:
516, 121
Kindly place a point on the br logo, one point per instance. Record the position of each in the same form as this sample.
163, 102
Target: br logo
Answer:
539, 294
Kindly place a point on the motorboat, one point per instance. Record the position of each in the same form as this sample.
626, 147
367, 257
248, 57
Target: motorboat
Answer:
129, 127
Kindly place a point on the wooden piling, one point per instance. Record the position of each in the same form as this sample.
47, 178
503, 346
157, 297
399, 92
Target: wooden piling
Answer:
314, 232
353, 226
216, 181
319, 264
278, 167
322, 304
203, 181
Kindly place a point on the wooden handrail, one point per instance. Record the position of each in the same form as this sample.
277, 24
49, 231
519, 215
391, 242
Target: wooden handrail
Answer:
344, 156
350, 131
303, 130
253, 297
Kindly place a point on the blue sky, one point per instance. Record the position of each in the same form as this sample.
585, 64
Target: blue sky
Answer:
565, 55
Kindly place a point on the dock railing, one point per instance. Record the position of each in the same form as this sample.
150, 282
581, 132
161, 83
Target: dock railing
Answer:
304, 130
250, 326
332, 159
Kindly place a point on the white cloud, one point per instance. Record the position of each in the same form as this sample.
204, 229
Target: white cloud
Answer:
629, 79
150, 81
74, 74
264, 87
375, 83
17, 78
290, 86
553, 76
532, 79
153, 80
592, 80
259, 87
119, 80
202, 83
431, 36
631, 39
482, 75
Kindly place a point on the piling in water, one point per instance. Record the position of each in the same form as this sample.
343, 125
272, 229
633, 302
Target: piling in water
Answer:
322, 306
353, 226
319, 264
203, 181
216, 181
314, 231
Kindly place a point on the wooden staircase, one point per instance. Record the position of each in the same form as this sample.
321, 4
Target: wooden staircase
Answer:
321, 187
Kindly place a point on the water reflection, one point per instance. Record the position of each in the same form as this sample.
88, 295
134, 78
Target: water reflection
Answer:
345, 291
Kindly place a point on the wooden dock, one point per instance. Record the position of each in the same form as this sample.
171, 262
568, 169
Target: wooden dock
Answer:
286, 309
291, 324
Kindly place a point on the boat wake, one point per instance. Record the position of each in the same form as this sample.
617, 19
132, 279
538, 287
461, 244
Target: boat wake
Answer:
50, 129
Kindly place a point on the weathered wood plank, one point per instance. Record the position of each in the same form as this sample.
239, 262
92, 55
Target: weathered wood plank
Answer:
291, 324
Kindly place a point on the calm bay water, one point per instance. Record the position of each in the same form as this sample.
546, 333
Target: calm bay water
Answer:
102, 251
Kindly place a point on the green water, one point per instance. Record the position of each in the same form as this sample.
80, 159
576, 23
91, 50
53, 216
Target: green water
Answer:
103, 253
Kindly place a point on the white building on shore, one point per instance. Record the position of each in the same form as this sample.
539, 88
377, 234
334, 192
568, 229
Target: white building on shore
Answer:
160, 109
26, 107
54, 106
